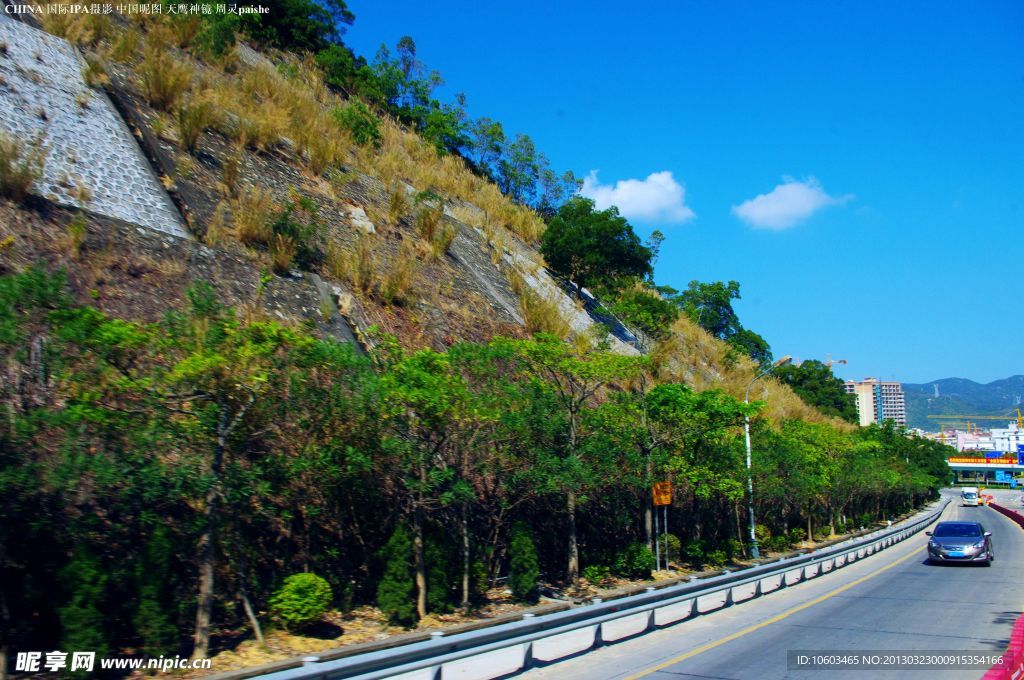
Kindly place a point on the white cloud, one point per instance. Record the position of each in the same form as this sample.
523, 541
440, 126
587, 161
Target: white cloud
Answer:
659, 198
787, 204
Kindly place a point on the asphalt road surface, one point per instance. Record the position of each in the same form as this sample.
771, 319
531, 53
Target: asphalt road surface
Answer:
891, 602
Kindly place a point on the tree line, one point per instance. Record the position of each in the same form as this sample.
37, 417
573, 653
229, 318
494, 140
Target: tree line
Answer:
164, 480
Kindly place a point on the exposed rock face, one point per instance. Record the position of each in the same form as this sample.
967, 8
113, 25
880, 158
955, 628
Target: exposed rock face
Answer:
44, 97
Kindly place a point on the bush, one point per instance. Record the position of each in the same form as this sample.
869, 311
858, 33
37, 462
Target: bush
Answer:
523, 570
796, 535
396, 591
596, 574
734, 548
442, 241
360, 122
21, 165
695, 551
636, 561
778, 543
762, 533
479, 582
716, 558
675, 547
303, 599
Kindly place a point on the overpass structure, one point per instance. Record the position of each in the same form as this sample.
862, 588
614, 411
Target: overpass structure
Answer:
972, 469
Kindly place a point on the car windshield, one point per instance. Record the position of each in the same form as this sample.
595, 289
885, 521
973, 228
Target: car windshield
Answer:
969, 494
958, 530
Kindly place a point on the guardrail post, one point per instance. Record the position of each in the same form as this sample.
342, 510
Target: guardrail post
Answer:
694, 609
757, 589
728, 599
651, 620
803, 575
782, 581
835, 564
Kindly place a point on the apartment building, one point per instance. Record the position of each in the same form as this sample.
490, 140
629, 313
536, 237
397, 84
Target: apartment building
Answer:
878, 400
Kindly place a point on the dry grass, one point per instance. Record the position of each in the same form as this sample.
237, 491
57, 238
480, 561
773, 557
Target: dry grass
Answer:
692, 356
540, 314
251, 214
193, 118
282, 252
400, 277
217, 228
21, 166
164, 78
81, 29
398, 203
230, 168
95, 72
442, 241
127, 46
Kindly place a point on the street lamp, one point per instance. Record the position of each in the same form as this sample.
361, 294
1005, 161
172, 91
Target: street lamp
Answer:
754, 552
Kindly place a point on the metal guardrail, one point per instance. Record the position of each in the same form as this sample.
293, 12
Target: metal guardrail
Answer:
500, 651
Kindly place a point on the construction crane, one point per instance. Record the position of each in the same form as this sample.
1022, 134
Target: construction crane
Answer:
970, 419
829, 362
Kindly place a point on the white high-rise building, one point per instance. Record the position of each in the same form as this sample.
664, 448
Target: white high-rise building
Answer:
878, 400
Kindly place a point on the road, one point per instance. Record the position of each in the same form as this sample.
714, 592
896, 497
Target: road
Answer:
892, 601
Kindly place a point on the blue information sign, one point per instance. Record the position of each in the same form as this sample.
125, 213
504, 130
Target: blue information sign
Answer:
1013, 483
1002, 476
993, 454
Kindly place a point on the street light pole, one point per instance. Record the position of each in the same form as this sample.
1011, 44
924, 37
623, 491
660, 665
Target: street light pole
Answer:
754, 552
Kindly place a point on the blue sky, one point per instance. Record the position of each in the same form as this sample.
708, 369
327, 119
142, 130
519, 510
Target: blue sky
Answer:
857, 166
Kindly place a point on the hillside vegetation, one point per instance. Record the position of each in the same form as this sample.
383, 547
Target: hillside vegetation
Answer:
360, 369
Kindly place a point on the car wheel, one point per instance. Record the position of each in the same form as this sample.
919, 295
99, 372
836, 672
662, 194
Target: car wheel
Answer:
988, 562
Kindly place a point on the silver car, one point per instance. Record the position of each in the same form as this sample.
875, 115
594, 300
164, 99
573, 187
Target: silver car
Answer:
960, 542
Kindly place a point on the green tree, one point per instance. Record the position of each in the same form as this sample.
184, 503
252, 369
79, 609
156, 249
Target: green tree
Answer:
709, 305
301, 25
523, 570
518, 170
814, 382
590, 247
396, 592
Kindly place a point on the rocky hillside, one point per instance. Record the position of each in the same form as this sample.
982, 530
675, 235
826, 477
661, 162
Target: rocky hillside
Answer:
159, 168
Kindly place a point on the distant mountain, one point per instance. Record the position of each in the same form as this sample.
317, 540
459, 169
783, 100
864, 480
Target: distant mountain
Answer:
959, 396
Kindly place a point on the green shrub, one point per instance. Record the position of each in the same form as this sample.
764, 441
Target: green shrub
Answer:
360, 122
694, 551
716, 558
675, 547
479, 582
636, 561
302, 599
778, 543
796, 535
523, 569
396, 591
734, 548
596, 574
762, 533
